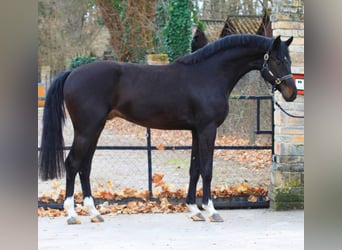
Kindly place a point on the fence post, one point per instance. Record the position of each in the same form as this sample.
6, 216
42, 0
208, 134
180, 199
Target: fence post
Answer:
149, 160
152, 59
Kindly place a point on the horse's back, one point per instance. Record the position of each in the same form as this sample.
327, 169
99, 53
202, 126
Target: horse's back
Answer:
91, 77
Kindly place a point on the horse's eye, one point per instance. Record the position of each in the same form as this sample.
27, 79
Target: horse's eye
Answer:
286, 60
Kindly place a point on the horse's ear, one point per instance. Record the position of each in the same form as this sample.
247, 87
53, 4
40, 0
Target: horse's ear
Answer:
289, 41
276, 43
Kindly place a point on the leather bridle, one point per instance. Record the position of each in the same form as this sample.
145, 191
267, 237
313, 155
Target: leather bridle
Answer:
275, 81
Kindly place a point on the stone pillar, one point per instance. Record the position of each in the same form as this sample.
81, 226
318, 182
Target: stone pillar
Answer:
287, 171
157, 59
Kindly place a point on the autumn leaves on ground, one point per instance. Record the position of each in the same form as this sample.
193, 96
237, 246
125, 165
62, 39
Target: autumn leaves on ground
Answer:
162, 138
130, 201
139, 202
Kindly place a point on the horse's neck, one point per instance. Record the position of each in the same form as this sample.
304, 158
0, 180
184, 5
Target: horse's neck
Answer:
244, 59
240, 63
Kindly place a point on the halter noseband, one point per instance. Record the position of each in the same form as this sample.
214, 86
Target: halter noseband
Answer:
266, 68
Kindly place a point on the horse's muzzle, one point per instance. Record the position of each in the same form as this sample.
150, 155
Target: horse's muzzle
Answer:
288, 90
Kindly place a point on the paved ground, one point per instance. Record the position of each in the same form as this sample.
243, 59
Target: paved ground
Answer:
243, 229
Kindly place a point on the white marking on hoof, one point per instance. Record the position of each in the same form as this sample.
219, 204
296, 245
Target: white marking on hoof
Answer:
196, 214
72, 215
209, 208
213, 215
88, 202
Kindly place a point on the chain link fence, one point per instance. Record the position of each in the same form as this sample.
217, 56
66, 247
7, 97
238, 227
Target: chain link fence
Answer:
127, 165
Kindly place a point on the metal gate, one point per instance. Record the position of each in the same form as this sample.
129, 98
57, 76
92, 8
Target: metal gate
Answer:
149, 148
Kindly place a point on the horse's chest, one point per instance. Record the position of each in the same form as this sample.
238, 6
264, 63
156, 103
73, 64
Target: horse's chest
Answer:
212, 109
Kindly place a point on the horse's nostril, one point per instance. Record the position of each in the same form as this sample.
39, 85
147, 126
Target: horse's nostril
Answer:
292, 97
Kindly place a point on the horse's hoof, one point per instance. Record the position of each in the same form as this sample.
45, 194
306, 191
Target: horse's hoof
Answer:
73, 221
197, 217
216, 218
97, 219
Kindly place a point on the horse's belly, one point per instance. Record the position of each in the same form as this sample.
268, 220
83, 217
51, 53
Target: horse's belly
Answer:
155, 118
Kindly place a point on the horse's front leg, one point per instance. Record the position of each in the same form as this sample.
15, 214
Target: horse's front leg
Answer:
196, 214
206, 151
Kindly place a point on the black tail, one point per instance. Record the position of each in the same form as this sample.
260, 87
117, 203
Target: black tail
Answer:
51, 156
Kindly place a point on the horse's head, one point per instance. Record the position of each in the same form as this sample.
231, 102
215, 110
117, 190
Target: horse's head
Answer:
276, 69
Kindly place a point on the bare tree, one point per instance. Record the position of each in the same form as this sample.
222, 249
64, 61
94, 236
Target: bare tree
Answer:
130, 25
66, 29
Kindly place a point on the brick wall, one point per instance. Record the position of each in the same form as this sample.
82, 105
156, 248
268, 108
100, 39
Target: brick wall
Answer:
287, 171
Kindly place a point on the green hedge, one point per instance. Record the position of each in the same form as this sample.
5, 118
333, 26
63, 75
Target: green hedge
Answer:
80, 60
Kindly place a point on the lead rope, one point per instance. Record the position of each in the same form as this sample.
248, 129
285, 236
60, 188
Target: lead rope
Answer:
277, 82
282, 109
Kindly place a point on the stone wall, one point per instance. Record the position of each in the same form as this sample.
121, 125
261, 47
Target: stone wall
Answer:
287, 171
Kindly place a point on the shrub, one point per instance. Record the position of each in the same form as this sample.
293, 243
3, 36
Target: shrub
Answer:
80, 60
177, 32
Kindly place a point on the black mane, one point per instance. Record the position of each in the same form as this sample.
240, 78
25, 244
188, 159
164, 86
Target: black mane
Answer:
224, 43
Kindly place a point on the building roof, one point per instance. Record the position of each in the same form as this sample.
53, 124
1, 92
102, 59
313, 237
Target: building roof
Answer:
236, 25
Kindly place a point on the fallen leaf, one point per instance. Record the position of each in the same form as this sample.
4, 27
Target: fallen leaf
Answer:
157, 177
160, 147
252, 198
165, 192
110, 185
56, 185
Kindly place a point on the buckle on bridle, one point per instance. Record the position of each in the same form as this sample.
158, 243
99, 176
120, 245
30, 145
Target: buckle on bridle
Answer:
265, 67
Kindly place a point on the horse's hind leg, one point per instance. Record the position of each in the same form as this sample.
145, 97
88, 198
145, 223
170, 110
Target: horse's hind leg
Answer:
85, 182
79, 161
71, 166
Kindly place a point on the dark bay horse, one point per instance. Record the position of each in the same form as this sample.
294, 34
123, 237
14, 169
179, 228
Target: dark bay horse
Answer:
189, 94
